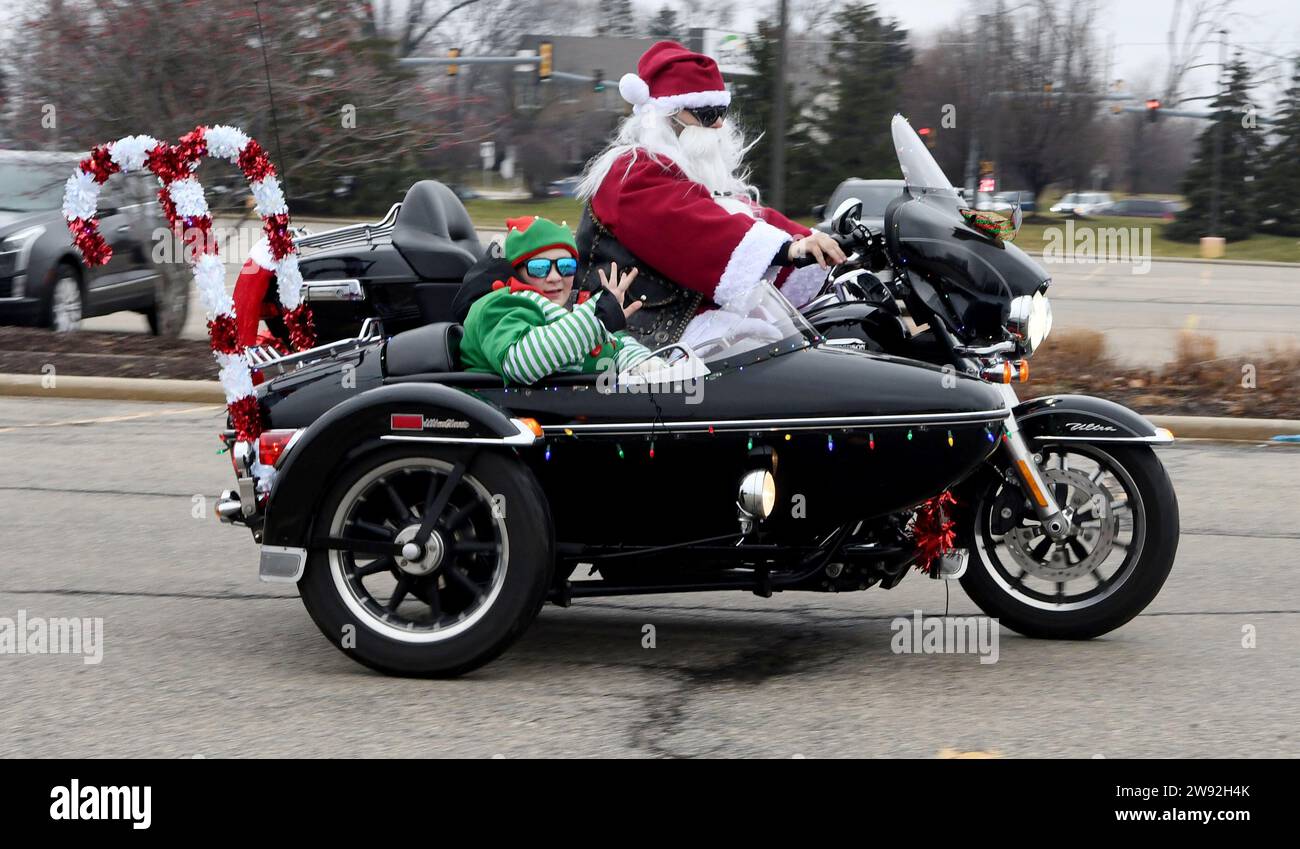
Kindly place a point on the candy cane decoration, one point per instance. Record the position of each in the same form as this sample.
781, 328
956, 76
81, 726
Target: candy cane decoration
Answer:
184, 205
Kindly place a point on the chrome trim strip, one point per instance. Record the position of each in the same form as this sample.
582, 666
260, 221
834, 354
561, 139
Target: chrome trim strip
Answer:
281, 564
333, 290
524, 437
807, 423
1157, 439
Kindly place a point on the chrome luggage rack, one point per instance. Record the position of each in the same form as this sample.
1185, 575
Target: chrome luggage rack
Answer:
273, 364
354, 235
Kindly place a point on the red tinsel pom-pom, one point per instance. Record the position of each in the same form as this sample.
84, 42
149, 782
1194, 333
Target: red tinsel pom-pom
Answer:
168, 208
933, 531
192, 146
278, 237
302, 328
246, 418
223, 333
86, 236
100, 164
196, 237
167, 163
254, 162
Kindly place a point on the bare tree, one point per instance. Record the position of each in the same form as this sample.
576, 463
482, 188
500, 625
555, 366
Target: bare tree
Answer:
1192, 27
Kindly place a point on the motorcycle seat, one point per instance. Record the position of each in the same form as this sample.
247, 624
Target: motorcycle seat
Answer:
433, 233
431, 348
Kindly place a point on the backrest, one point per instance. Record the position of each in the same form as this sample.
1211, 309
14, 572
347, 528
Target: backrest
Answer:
432, 348
434, 234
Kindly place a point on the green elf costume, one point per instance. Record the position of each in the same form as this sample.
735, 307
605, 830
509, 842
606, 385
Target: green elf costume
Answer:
517, 332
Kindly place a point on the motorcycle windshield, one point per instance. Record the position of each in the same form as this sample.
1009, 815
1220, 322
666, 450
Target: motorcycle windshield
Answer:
921, 173
766, 325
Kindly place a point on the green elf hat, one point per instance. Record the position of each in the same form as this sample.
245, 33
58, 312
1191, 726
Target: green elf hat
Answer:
529, 236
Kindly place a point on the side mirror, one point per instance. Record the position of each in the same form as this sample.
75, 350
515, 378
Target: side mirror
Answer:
1017, 218
846, 216
819, 211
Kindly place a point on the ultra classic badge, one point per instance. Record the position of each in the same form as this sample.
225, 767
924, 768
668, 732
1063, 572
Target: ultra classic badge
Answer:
416, 421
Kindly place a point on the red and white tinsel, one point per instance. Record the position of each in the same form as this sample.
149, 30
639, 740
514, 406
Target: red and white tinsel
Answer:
933, 531
183, 203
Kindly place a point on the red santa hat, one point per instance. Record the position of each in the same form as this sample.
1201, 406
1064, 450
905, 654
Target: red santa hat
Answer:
670, 77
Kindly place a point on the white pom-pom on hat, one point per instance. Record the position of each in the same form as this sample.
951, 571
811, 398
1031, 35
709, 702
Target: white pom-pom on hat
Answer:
634, 89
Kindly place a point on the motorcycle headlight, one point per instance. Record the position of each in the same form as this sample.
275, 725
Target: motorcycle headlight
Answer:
1030, 320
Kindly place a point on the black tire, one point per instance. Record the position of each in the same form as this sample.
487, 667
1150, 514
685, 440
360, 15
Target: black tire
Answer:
171, 304
1128, 599
525, 557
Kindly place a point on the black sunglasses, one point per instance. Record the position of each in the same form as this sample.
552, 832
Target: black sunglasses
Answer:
708, 115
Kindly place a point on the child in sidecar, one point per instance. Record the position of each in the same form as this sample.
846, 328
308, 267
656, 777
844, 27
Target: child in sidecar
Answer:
525, 328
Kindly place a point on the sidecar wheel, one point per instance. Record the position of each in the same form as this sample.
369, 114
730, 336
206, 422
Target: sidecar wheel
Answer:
1127, 515
478, 583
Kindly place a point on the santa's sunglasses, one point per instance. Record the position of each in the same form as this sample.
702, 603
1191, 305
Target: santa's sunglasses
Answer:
567, 266
708, 115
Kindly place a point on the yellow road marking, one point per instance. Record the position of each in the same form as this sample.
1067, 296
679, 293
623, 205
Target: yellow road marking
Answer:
1192, 320
953, 754
109, 419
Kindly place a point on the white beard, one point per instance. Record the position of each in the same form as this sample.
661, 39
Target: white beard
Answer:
711, 157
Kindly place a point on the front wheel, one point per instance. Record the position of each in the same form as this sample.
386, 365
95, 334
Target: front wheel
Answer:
477, 582
1124, 515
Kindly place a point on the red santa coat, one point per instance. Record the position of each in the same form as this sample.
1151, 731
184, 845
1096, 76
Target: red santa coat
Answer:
676, 227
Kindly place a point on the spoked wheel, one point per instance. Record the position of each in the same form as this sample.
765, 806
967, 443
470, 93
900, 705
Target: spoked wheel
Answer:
1124, 518
436, 562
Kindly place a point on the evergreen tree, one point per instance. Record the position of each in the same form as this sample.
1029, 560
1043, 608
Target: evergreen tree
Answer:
617, 17
850, 137
1241, 158
1279, 185
664, 24
752, 105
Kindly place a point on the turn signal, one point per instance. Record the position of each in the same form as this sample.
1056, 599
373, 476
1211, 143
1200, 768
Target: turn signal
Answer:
532, 425
272, 444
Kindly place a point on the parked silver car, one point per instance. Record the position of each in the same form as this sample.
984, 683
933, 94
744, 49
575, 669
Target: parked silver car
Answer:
1082, 203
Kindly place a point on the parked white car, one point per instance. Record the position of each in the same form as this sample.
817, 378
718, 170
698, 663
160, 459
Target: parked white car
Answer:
1082, 203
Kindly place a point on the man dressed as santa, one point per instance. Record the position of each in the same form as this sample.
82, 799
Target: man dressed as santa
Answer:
669, 196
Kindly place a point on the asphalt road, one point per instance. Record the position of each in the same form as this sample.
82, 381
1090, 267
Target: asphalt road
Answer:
200, 659
1246, 309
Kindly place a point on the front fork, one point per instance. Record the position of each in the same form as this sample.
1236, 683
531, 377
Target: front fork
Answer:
1055, 523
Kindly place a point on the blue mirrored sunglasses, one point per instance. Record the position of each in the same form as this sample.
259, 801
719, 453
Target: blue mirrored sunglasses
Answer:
566, 265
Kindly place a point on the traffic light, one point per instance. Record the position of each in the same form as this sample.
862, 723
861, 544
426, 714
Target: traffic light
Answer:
1153, 110
545, 52
453, 69
598, 80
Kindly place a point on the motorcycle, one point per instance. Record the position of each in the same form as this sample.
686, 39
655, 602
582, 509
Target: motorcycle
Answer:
427, 513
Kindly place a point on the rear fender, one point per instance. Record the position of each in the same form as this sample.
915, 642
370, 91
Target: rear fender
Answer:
426, 413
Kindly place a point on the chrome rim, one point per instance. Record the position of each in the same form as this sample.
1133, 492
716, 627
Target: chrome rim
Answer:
1109, 527
65, 307
421, 595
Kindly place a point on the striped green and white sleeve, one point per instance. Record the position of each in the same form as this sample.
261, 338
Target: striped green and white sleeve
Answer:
562, 342
631, 353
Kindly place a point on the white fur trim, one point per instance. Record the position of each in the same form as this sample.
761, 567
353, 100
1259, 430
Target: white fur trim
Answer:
633, 89
803, 284
80, 196
261, 254
747, 263
689, 100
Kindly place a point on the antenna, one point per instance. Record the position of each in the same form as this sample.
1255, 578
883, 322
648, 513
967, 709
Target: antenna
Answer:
275, 124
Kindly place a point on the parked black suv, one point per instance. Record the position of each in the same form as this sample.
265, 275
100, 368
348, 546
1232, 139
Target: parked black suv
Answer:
43, 280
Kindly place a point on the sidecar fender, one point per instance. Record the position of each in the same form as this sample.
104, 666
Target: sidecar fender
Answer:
1083, 418
428, 413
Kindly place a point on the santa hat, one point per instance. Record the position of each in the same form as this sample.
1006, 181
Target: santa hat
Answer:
528, 236
670, 77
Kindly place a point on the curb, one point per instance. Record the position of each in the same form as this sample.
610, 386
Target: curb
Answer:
209, 391
113, 388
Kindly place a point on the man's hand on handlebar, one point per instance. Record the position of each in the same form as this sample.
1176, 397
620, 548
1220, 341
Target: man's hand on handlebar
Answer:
818, 247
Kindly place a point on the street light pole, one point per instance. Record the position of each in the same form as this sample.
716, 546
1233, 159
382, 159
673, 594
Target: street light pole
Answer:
776, 190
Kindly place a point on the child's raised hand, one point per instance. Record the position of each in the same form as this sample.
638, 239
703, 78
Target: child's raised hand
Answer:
619, 288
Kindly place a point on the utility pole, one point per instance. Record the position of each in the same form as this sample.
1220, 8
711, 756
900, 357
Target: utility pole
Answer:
776, 190
1218, 133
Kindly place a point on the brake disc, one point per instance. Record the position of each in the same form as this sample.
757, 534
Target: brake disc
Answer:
1089, 543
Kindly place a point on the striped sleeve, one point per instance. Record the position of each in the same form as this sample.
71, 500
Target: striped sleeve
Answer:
561, 343
631, 353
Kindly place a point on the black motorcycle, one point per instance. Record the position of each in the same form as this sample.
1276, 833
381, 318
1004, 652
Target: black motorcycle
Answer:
426, 513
